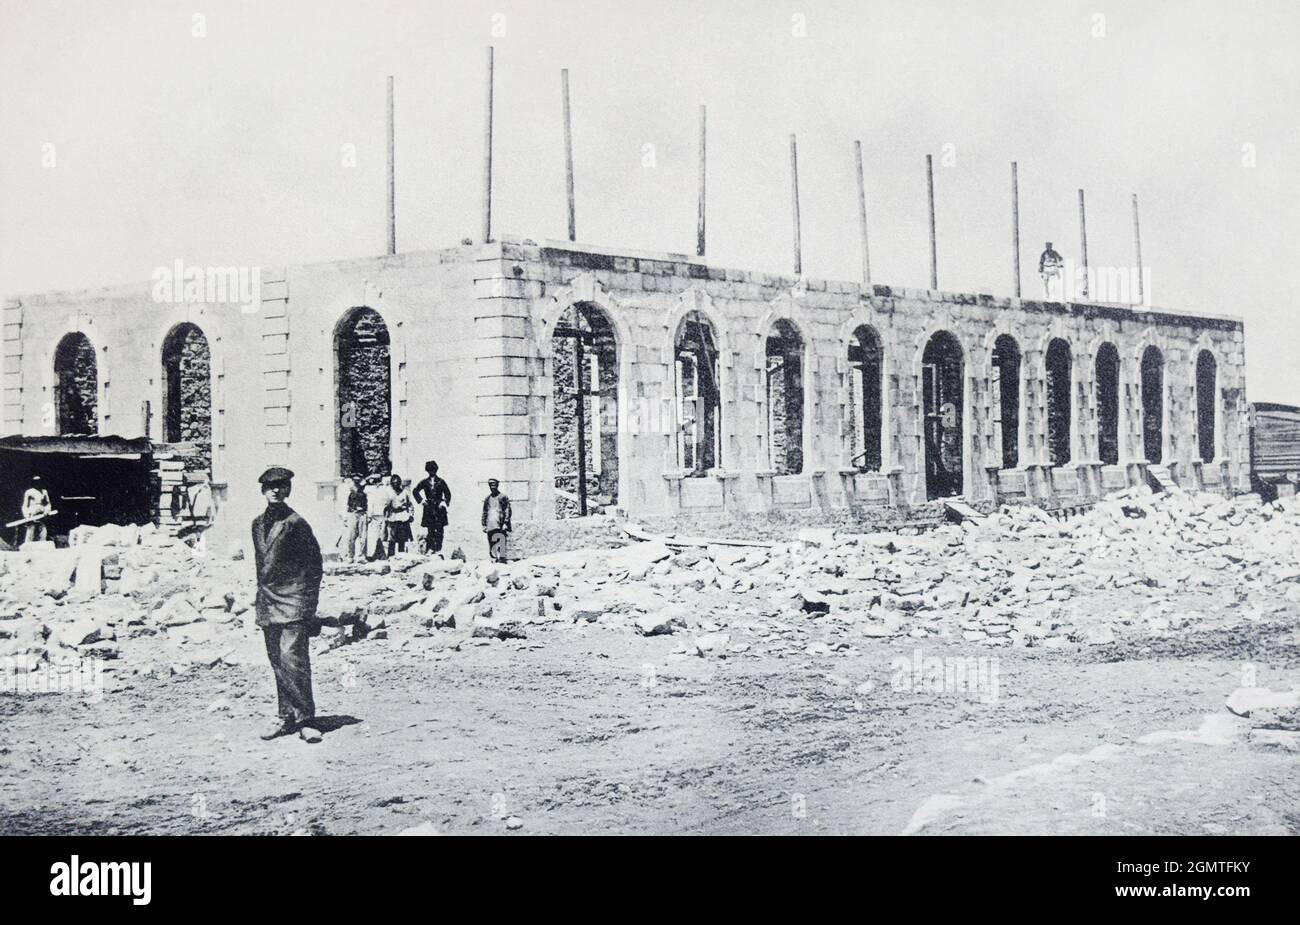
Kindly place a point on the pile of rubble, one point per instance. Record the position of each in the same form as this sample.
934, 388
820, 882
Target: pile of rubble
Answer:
111, 585
1016, 577
1129, 566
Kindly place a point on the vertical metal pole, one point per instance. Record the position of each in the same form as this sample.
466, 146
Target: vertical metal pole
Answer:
794, 199
580, 413
934, 252
699, 221
568, 155
1083, 241
1015, 225
392, 183
1137, 246
487, 155
862, 219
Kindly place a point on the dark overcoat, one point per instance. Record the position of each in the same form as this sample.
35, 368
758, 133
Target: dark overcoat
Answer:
289, 570
433, 492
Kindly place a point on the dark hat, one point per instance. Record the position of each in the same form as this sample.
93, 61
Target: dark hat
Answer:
36, 478
275, 474
430, 465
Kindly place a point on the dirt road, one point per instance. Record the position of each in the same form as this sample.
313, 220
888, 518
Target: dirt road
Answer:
581, 730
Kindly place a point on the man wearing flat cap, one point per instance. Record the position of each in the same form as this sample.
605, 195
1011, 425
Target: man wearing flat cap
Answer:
496, 521
289, 573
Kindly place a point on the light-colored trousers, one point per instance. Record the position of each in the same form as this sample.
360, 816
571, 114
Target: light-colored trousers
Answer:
1053, 284
354, 534
375, 535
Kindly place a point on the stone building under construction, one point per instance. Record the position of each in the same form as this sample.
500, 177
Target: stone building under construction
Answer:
591, 379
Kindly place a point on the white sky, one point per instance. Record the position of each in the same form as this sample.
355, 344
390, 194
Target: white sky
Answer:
226, 149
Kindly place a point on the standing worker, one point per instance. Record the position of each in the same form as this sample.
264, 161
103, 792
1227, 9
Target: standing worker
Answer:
289, 571
496, 521
354, 521
36, 504
1049, 267
400, 513
378, 494
434, 496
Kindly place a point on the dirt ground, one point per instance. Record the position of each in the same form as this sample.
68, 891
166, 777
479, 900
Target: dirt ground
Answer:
572, 731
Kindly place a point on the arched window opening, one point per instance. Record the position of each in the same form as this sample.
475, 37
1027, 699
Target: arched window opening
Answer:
942, 402
76, 385
699, 397
364, 393
187, 378
1107, 374
585, 411
1058, 402
1207, 374
866, 397
785, 398
1153, 405
1006, 385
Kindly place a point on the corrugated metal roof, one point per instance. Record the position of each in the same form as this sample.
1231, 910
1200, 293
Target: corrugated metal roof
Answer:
78, 444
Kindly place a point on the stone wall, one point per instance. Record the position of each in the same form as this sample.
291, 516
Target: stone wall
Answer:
648, 295
472, 365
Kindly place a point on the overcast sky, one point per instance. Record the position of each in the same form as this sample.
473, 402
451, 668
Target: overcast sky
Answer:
229, 147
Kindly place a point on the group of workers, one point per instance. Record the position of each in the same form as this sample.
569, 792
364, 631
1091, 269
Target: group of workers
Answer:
380, 513
290, 568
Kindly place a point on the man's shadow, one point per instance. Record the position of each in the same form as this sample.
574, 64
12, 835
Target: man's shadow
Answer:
327, 724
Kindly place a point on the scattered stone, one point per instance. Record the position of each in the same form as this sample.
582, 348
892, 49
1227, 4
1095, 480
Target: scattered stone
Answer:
1102, 634
812, 602
710, 643
1246, 701
662, 623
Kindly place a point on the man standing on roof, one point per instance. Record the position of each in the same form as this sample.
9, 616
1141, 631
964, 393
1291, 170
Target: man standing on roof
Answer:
1049, 267
36, 504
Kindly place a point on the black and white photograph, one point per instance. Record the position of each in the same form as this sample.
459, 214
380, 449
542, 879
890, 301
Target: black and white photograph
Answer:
851, 418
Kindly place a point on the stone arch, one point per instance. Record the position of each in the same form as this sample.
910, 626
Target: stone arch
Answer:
867, 399
1006, 361
697, 368
693, 306
76, 385
585, 289
941, 368
1152, 377
1106, 379
1057, 362
187, 407
695, 301
643, 417
785, 387
1207, 405
877, 323
363, 393
586, 414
